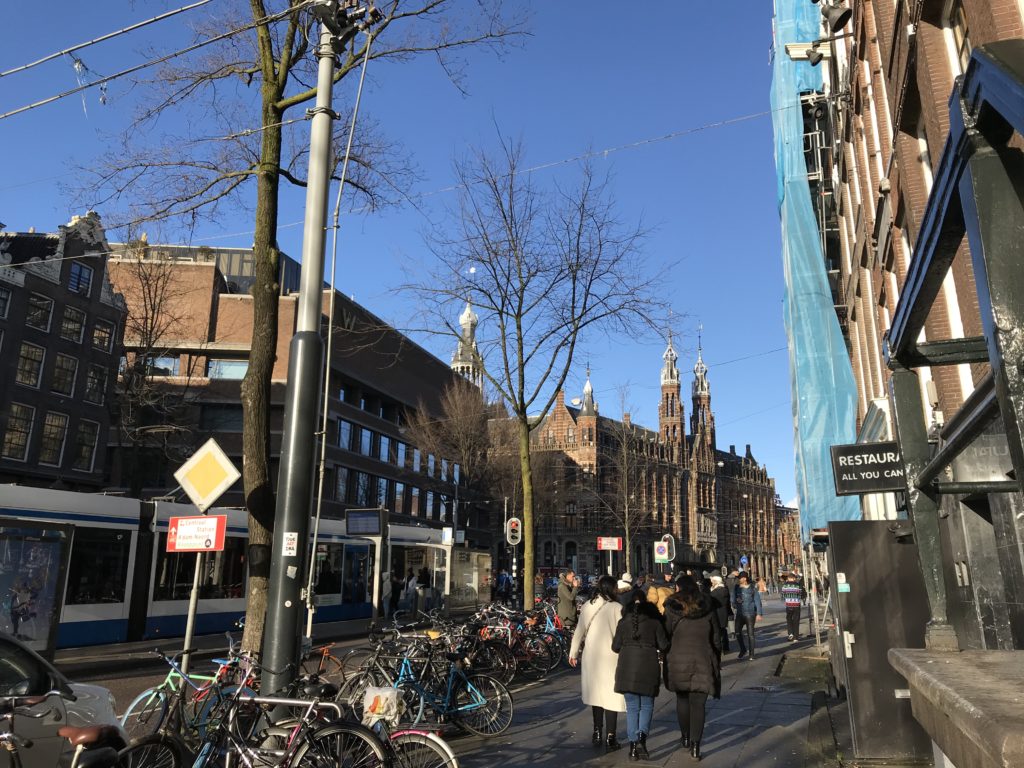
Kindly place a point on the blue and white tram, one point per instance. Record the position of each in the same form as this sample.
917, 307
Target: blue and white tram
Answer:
122, 585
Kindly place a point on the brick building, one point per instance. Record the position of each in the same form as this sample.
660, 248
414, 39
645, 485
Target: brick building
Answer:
60, 336
716, 504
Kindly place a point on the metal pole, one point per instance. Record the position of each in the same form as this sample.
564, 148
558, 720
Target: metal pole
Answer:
193, 606
302, 402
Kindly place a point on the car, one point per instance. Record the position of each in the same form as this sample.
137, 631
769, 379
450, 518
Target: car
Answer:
23, 672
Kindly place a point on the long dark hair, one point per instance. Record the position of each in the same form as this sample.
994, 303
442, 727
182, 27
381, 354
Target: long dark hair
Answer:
638, 602
607, 588
689, 594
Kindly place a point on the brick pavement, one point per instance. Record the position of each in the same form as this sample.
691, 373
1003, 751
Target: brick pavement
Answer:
761, 720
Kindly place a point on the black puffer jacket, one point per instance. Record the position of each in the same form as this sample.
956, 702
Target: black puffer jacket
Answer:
692, 663
637, 669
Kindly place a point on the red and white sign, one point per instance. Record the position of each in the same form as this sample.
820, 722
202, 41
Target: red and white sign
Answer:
609, 542
203, 533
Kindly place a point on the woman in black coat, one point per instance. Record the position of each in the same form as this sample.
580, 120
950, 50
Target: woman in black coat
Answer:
638, 638
692, 665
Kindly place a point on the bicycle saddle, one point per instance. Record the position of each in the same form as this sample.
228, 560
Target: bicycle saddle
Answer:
318, 690
93, 736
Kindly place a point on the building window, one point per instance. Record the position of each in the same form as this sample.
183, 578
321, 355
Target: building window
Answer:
80, 278
65, 371
96, 385
55, 432
957, 21
399, 498
366, 441
362, 489
416, 459
220, 417
39, 311
414, 501
72, 327
570, 435
103, 335
428, 506
5, 301
345, 434
382, 491
431, 465
400, 454
18, 432
444, 469
384, 449
85, 445
166, 365
227, 369
341, 484
30, 365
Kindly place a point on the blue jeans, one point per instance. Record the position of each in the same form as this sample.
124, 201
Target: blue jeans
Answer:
639, 710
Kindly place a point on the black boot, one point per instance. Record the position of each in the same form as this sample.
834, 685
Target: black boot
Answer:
685, 741
633, 755
695, 750
641, 747
611, 743
598, 739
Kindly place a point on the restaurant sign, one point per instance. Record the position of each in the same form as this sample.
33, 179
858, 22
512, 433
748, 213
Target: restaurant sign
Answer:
867, 468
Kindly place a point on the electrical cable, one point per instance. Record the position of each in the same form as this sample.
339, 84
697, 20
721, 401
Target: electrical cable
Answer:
154, 62
102, 38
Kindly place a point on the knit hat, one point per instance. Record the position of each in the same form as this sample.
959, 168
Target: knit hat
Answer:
627, 576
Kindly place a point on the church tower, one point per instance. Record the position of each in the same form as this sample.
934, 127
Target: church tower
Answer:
466, 361
702, 420
670, 408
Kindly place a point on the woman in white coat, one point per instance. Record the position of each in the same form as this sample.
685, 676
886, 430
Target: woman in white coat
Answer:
593, 638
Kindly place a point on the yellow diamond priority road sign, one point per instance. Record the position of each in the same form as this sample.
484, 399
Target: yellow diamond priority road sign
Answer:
206, 475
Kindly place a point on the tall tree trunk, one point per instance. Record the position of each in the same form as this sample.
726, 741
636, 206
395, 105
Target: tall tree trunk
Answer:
259, 490
527, 472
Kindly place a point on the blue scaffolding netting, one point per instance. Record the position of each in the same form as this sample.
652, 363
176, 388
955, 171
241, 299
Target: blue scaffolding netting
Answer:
824, 394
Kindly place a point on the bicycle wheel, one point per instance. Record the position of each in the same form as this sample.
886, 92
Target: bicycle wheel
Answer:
554, 644
145, 714
154, 751
352, 690
327, 668
421, 750
483, 706
354, 661
496, 659
533, 658
338, 745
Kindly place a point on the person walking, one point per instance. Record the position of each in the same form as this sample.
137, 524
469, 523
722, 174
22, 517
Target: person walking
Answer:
639, 636
793, 595
568, 587
723, 608
625, 589
746, 601
504, 587
693, 662
593, 640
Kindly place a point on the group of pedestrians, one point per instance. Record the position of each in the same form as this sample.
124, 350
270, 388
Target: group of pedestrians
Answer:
633, 642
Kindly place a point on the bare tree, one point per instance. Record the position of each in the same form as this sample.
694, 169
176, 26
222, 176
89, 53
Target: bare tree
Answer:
240, 93
546, 268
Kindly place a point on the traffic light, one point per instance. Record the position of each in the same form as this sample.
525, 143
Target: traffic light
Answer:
514, 531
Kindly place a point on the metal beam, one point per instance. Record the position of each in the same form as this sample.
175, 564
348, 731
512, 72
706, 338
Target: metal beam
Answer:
922, 506
992, 190
947, 352
991, 486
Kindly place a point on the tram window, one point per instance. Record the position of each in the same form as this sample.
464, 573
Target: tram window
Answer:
98, 567
328, 574
223, 575
354, 575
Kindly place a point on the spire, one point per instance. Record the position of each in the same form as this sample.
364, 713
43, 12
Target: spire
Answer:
700, 371
669, 372
466, 361
589, 406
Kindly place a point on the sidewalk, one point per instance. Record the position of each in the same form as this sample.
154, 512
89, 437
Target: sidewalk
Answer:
763, 719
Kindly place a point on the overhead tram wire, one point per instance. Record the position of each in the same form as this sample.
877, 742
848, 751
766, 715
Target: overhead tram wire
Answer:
102, 38
153, 62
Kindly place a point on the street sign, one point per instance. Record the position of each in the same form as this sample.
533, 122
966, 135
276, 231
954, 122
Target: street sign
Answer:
206, 475
200, 533
514, 531
743, 561
661, 552
609, 543
867, 468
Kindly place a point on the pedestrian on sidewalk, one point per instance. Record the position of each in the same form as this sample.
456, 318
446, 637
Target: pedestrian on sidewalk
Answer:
692, 664
793, 595
723, 607
746, 602
625, 589
568, 586
593, 641
639, 636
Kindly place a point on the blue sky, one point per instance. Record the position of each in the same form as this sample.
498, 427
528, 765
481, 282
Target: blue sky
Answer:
592, 76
